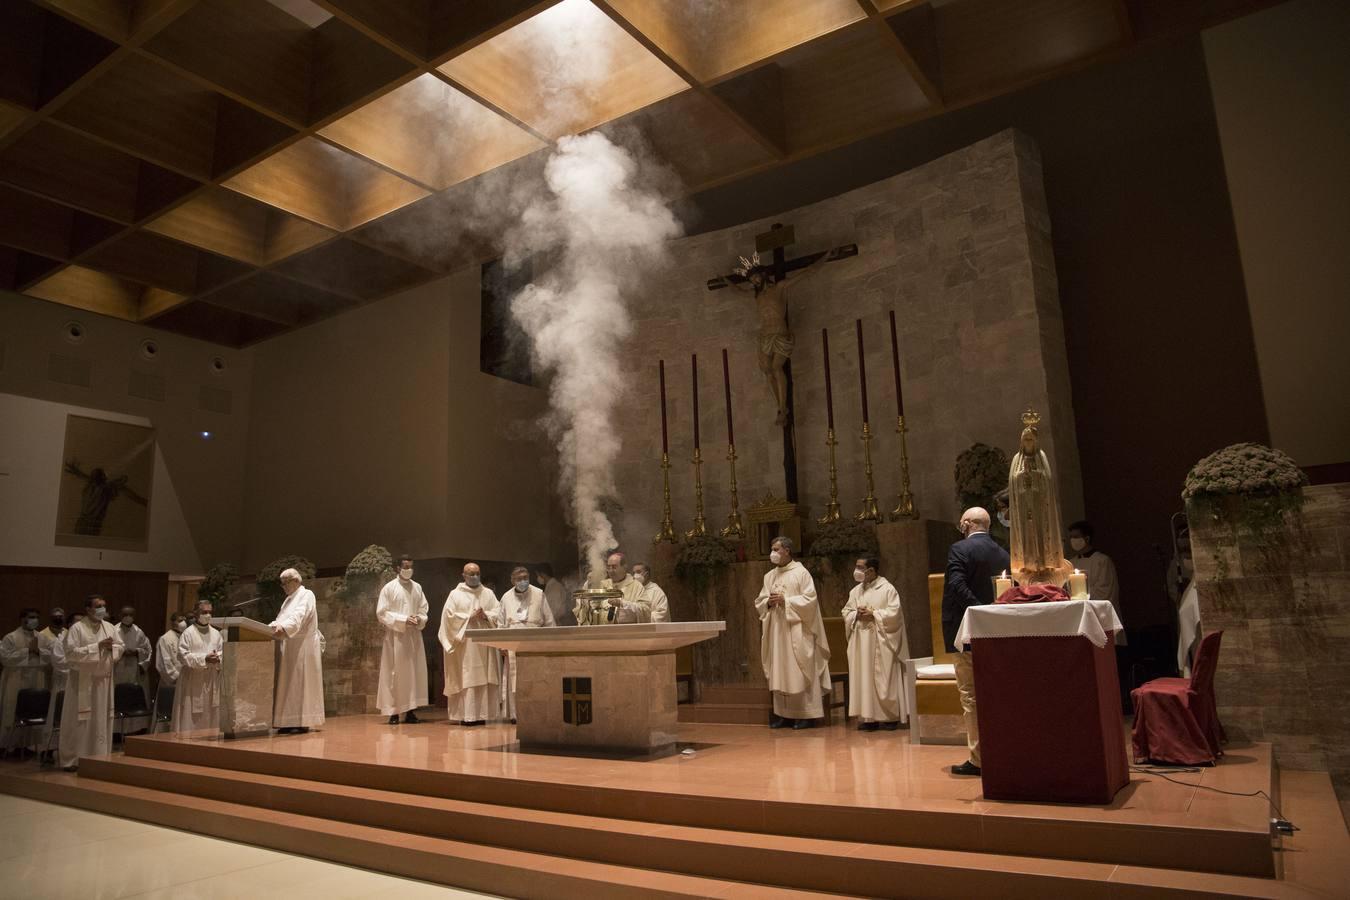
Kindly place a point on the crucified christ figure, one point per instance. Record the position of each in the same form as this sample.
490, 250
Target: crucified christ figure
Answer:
99, 491
775, 334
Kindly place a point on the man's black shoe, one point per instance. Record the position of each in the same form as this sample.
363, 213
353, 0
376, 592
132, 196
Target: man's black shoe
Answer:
779, 722
867, 726
888, 726
410, 718
799, 724
393, 720
966, 768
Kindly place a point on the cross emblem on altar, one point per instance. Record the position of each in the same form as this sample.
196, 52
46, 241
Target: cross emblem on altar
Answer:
576, 701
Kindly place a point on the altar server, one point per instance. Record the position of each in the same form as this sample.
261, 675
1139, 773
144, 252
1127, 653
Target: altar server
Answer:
134, 666
21, 652
524, 606
655, 598
875, 626
56, 624
472, 673
167, 661
793, 646
91, 648
1102, 583
196, 700
402, 610
299, 699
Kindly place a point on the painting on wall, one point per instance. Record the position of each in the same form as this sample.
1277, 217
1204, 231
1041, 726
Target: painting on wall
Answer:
107, 473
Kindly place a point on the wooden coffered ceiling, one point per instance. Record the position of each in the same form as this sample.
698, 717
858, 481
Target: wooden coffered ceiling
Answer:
234, 169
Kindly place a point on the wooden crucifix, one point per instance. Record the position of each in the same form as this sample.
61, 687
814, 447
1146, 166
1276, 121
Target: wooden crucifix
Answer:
769, 283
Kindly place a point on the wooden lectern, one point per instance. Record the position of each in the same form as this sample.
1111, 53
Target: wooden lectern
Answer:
247, 677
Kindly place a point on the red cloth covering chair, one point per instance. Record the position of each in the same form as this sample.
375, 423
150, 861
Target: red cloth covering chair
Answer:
1176, 720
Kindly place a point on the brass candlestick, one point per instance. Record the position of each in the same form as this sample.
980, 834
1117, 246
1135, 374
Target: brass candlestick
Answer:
700, 526
905, 508
832, 508
734, 527
869, 513
667, 533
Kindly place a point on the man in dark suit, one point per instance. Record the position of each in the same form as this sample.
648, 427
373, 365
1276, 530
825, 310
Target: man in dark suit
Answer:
972, 564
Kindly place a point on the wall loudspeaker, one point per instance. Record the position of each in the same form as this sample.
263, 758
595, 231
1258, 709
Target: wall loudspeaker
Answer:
217, 365
73, 331
149, 350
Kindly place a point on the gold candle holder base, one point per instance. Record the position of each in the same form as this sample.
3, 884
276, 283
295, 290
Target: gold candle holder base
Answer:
869, 512
905, 509
700, 525
667, 533
832, 513
734, 529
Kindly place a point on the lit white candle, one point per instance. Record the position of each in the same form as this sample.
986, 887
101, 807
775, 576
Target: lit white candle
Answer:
1002, 584
1078, 586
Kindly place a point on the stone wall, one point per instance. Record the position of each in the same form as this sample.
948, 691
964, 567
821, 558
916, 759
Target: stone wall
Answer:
1284, 609
959, 248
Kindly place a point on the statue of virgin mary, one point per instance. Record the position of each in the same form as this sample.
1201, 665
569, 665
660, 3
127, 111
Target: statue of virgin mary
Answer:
1034, 542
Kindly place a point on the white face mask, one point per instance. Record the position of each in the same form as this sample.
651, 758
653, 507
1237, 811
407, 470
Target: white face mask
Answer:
180, 625
860, 575
203, 619
127, 621
101, 614
405, 574
1077, 544
31, 624
776, 557
473, 580
641, 579
1003, 519
522, 587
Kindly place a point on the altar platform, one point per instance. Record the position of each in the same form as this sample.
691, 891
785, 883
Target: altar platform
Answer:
749, 812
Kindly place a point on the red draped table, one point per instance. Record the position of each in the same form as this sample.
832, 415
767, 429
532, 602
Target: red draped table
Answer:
1047, 701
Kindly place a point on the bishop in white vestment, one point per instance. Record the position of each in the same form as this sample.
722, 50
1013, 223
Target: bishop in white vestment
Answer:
402, 610
91, 648
299, 699
134, 666
875, 626
22, 653
793, 646
196, 699
472, 675
632, 607
524, 606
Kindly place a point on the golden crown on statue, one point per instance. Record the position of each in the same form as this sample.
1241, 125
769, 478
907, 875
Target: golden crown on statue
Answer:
1031, 418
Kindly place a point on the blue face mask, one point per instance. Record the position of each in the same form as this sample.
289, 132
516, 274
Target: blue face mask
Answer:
522, 586
30, 624
473, 580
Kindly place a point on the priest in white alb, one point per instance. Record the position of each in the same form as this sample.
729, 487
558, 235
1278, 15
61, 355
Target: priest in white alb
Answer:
21, 652
196, 699
629, 609
167, 661
134, 666
524, 606
656, 599
472, 672
402, 610
793, 646
90, 649
298, 706
874, 624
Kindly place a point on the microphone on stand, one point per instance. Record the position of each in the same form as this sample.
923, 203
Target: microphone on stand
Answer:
243, 604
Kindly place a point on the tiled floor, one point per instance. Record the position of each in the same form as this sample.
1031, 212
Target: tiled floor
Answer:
59, 852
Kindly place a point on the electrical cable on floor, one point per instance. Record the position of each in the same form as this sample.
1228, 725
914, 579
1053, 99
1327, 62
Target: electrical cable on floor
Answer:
1284, 824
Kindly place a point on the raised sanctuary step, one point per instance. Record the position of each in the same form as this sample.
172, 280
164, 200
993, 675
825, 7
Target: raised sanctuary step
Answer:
1083, 834
528, 853
729, 704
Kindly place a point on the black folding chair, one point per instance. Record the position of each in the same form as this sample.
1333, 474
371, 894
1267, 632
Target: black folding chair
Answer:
44, 758
30, 711
128, 703
163, 714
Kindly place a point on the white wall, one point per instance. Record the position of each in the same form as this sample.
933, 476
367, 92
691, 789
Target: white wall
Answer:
1281, 85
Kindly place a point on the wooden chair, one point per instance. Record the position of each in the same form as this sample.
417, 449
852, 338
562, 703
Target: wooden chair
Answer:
935, 704
1176, 720
838, 642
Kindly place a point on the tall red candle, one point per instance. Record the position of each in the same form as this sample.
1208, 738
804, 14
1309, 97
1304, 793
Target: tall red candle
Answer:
695, 368
665, 437
895, 358
726, 383
862, 372
829, 391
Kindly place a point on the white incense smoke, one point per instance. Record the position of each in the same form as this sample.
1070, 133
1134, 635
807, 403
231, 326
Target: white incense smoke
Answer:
602, 226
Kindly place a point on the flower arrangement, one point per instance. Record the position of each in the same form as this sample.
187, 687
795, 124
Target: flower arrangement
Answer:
370, 568
1244, 469
847, 538
217, 583
701, 557
981, 472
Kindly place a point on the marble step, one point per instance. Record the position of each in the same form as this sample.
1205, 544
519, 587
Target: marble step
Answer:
496, 870
725, 713
735, 693
1045, 832
521, 852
